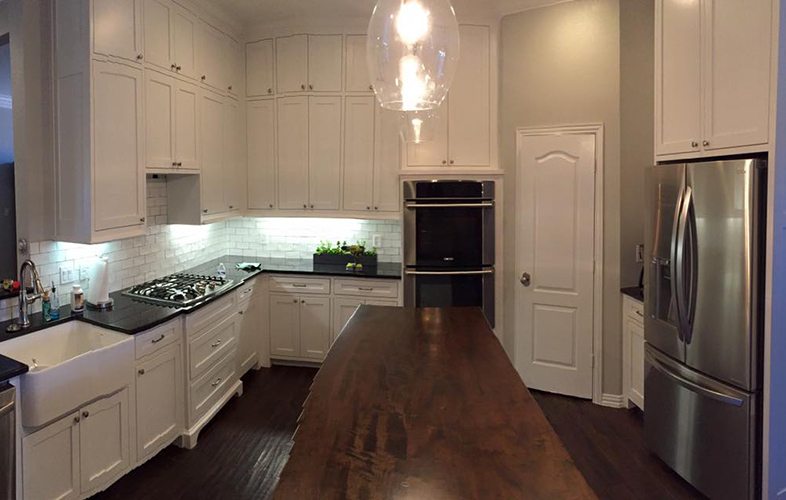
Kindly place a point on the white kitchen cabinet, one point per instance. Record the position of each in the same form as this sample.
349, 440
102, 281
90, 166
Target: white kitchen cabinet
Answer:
387, 161
212, 66
633, 350
359, 153
292, 63
356, 72
158, 33
250, 331
160, 97
299, 326
314, 327
184, 43
434, 150
284, 325
104, 442
261, 144
117, 28
50, 460
212, 143
235, 74
259, 68
325, 56
159, 400
292, 150
324, 152
343, 309
234, 170
186, 126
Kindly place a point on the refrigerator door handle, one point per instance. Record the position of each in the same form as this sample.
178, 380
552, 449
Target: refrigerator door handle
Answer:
680, 284
693, 386
673, 267
691, 287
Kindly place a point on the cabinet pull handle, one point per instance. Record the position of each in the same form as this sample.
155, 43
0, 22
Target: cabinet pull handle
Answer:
76, 420
141, 371
216, 343
640, 313
706, 143
365, 289
241, 312
174, 163
218, 381
139, 56
180, 164
85, 414
310, 87
159, 339
299, 285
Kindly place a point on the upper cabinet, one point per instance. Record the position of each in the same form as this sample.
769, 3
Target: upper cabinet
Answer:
212, 65
292, 63
259, 68
116, 27
309, 63
169, 34
261, 157
713, 62
356, 75
235, 64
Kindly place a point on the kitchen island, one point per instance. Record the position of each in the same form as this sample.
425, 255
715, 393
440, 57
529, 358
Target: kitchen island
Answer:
424, 403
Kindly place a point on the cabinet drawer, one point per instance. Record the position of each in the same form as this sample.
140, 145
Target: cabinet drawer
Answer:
156, 339
246, 290
367, 288
320, 286
209, 388
210, 314
633, 309
211, 345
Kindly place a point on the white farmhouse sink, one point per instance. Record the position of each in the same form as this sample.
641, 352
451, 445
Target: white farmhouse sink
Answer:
70, 365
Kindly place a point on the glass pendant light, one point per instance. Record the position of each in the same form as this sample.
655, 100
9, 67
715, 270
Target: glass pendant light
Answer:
412, 52
417, 127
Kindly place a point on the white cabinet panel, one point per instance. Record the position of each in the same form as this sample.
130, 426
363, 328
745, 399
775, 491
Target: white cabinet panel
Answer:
211, 345
387, 161
158, 17
50, 460
159, 401
211, 63
356, 78
636, 332
325, 63
187, 126
292, 63
117, 28
250, 332
343, 309
314, 327
324, 152
233, 171
470, 101
435, 150
103, 441
359, 153
159, 120
292, 138
284, 325
184, 43
261, 130
259, 68
212, 117
234, 62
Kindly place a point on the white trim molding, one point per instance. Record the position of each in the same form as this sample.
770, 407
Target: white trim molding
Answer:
613, 401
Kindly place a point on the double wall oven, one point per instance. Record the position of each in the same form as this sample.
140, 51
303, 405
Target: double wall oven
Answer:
449, 244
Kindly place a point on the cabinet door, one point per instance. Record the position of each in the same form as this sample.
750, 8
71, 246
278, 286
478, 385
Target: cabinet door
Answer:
159, 401
184, 43
212, 139
387, 161
210, 56
356, 67
314, 327
359, 153
117, 28
292, 139
118, 149
250, 331
433, 151
261, 133
259, 68
737, 65
469, 127
50, 460
284, 325
324, 152
233, 57
325, 54
234, 171
677, 76
103, 441
187, 126
343, 309
291, 63
158, 17
160, 96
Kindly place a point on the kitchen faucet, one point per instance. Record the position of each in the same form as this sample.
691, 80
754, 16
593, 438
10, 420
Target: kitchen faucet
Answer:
26, 299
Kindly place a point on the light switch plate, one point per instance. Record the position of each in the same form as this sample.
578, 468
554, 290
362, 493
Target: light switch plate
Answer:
376, 241
66, 275
639, 253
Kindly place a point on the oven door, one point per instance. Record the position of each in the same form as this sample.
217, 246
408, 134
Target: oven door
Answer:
458, 233
438, 288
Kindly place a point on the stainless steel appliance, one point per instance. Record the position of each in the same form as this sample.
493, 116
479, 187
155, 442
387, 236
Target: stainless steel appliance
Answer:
703, 322
179, 290
449, 244
7, 442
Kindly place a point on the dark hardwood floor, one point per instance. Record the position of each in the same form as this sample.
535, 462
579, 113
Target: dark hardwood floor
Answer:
241, 453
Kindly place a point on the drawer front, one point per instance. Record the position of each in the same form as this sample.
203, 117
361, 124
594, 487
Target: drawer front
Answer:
212, 345
367, 288
287, 284
212, 385
246, 290
153, 340
633, 309
210, 314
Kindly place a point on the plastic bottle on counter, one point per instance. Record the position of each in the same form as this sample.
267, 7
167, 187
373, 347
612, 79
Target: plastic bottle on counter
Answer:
77, 299
46, 306
54, 303
221, 272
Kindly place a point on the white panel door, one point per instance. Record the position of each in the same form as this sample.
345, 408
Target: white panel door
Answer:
469, 129
119, 165
343, 309
292, 149
678, 77
211, 65
233, 57
737, 65
259, 68
103, 441
314, 327
50, 460
387, 161
324, 153
555, 238
434, 150
233, 171
325, 55
159, 401
249, 332
184, 43
261, 142
117, 28
292, 63
160, 96
284, 325
158, 17
187, 126
359, 153
356, 77
212, 143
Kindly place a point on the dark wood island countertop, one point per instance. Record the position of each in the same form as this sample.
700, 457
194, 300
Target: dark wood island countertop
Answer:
424, 404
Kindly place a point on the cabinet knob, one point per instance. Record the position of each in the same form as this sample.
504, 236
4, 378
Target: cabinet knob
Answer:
368, 208
302, 301
231, 207
178, 68
141, 371
141, 219
444, 162
85, 414
303, 87
271, 205
140, 57
269, 91
371, 88
180, 164
694, 144
312, 206
173, 66
203, 78
76, 420
295, 301
452, 162
305, 206
241, 312
174, 163
310, 87
706, 143
204, 210
376, 208
218, 381
229, 88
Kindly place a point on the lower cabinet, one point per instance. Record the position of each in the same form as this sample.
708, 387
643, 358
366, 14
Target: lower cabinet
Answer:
79, 454
633, 351
250, 331
299, 326
344, 308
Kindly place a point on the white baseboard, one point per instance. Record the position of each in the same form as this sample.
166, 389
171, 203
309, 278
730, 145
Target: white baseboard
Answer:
613, 400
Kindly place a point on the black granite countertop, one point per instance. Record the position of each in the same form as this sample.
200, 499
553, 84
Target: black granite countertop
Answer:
10, 368
635, 292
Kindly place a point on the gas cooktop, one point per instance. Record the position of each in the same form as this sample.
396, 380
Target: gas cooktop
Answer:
179, 290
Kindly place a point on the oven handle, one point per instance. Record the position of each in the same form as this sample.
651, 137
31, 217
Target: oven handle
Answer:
484, 204
448, 273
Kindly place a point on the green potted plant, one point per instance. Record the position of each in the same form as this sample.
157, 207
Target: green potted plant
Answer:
342, 254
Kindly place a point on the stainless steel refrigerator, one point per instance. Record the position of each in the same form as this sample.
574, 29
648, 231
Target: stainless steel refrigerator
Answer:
703, 322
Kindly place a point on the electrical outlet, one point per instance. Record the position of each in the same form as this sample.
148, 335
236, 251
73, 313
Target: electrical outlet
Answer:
639, 253
83, 273
376, 241
66, 275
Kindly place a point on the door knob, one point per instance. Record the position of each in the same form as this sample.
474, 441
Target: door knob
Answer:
525, 279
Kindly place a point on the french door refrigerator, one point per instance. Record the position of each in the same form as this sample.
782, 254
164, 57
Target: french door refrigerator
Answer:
703, 322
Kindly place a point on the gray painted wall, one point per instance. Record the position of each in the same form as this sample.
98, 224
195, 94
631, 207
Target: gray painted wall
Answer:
6, 114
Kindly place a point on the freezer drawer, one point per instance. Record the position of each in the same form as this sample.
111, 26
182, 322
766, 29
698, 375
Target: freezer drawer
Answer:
704, 430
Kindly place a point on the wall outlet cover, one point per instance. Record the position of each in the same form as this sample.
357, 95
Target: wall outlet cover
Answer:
66, 275
639, 253
376, 241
